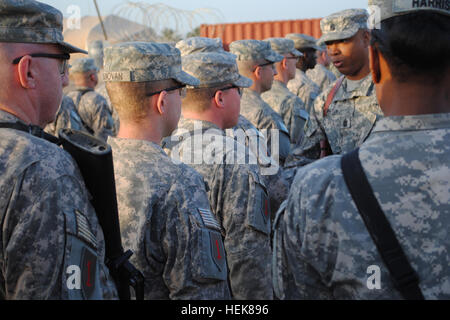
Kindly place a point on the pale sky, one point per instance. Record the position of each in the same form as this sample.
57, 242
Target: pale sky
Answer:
230, 11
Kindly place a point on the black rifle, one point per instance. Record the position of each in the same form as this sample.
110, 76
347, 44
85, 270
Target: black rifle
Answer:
94, 158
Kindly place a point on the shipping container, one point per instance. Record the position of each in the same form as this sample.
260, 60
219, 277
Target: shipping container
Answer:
260, 30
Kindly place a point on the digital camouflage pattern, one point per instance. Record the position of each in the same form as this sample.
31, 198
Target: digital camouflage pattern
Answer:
142, 62
321, 243
94, 111
29, 21
290, 107
160, 209
303, 41
83, 65
263, 117
350, 119
321, 76
283, 46
95, 51
390, 8
42, 201
199, 44
67, 117
305, 89
101, 89
254, 50
270, 171
238, 199
214, 69
343, 25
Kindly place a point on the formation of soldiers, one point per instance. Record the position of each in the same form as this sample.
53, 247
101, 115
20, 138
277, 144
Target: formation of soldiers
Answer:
233, 170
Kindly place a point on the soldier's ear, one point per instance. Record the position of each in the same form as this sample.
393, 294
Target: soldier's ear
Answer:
219, 99
257, 73
27, 73
374, 60
161, 102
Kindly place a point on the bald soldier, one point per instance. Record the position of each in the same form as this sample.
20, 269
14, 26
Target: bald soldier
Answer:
164, 210
306, 89
288, 105
237, 192
345, 113
323, 244
91, 106
52, 244
320, 74
245, 132
255, 60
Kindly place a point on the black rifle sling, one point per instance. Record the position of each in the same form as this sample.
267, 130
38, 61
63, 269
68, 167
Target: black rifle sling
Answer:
403, 275
31, 129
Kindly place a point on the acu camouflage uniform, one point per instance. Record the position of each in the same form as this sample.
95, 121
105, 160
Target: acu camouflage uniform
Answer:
67, 117
352, 114
163, 207
91, 106
48, 226
321, 243
321, 76
253, 107
290, 107
237, 192
245, 132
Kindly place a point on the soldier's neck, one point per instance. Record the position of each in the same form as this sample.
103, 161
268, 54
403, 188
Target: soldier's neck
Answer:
414, 98
148, 131
360, 74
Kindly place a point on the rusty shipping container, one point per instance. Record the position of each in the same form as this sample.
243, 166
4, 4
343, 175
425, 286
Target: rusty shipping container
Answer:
260, 30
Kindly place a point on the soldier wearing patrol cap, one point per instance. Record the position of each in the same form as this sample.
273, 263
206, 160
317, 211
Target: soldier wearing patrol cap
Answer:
288, 105
321, 75
256, 59
302, 85
237, 192
163, 207
91, 106
45, 253
324, 240
345, 113
244, 130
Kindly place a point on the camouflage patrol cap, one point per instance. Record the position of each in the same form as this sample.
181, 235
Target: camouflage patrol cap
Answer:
95, 51
28, 21
284, 46
142, 62
199, 44
303, 41
214, 69
384, 9
254, 50
83, 65
343, 25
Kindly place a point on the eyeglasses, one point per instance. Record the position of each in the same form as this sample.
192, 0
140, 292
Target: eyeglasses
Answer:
182, 90
239, 89
293, 58
265, 64
64, 57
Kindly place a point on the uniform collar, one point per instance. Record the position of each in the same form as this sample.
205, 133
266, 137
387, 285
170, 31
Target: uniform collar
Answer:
413, 123
364, 90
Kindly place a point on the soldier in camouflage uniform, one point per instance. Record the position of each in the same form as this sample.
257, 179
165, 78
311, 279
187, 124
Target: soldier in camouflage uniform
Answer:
245, 132
256, 60
164, 210
91, 106
67, 117
288, 105
353, 110
321, 244
302, 86
237, 192
45, 254
320, 75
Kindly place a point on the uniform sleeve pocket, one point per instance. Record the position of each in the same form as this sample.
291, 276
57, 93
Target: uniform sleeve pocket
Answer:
209, 260
258, 210
81, 276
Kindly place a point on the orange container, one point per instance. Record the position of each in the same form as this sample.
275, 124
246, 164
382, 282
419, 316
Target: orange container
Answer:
260, 30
